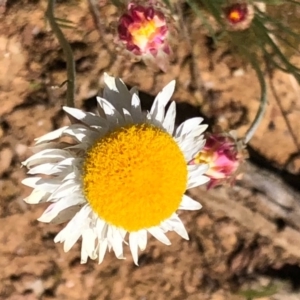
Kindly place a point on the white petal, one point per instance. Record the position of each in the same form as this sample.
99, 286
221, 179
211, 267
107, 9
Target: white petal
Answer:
54, 209
195, 175
112, 115
60, 237
48, 169
197, 131
30, 181
81, 134
71, 161
104, 231
99, 227
88, 245
66, 214
169, 121
110, 82
116, 92
187, 144
71, 233
187, 126
37, 196
49, 145
188, 203
43, 184
84, 255
191, 149
102, 250
195, 150
199, 181
158, 108
195, 170
71, 239
117, 243
66, 188
86, 118
133, 244
190, 139
166, 226
178, 227
159, 235
136, 110
47, 156
159, 115
164, 96
50, 136
123, 233
127, 116
142, 239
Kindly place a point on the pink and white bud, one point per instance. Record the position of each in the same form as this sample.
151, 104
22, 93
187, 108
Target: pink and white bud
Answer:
224, 155
238, 16
144, 31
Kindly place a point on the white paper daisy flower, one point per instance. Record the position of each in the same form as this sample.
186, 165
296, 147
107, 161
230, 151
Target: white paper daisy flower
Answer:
126, 172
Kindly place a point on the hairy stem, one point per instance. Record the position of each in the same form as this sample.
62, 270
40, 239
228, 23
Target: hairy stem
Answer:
67, 52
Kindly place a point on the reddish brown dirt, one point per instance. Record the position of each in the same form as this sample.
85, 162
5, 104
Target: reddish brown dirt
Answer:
236, 242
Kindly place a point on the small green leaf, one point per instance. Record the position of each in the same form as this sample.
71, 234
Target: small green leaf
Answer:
35, 85
250, 294
64, 21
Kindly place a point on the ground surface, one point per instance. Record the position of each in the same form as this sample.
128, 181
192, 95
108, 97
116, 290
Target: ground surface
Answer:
244, 238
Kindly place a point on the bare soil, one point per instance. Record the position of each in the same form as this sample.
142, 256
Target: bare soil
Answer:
245, 238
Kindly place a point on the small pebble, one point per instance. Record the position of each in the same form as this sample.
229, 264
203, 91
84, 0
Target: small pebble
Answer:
21, 149
239, 73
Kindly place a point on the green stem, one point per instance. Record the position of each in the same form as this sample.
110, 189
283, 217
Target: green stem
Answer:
264, 31
202, 17
67, 52
263, 102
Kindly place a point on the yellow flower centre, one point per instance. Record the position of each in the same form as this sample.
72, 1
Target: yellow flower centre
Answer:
235, 16
135, 177
204, 157
143, 33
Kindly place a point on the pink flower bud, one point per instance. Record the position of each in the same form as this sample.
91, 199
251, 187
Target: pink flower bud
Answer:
224, 155
238, 16
143, 30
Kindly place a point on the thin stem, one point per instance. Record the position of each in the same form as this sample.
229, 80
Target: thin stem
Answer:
276, 49
202, 17
96, 17
67, 52
195, 71
263, 101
